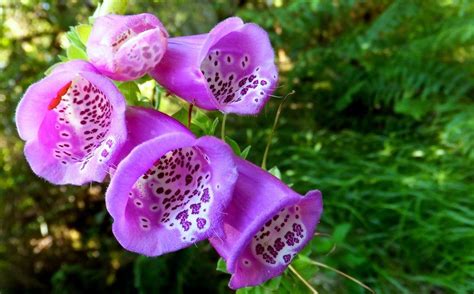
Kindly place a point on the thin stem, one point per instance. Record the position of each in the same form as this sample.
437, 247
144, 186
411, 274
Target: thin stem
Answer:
275, 123
302, 279
342, 274
190, 114
224, 118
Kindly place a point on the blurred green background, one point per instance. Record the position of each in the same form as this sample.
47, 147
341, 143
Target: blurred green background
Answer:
382, 122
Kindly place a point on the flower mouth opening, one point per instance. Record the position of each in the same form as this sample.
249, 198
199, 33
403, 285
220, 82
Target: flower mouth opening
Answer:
122, 38
174, 194
80, 116
278, 240
137, 53
233, 76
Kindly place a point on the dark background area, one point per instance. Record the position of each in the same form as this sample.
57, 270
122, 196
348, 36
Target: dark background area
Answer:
382, 122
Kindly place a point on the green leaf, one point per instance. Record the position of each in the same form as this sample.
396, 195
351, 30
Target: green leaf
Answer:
83, 31
322, 245
221, 266
201, 120
340, 233
414, 108
213, 127
233, 144
74, 38
110, 7
273, 284
346, 100
182, 116
245, 152
275, 171
201, 124
303, 265
74, 52
129, 90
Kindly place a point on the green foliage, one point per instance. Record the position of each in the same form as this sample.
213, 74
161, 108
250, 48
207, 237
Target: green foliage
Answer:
130, 91
201, 124
173, 273
76, 279
77, 39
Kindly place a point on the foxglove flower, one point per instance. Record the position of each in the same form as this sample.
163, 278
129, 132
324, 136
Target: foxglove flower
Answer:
144, 124
231, 68
126, 47
170, 191
265, 226
73, 122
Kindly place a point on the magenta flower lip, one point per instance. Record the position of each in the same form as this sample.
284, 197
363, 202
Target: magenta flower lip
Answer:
126, 47
231, 69
265, 226
170, 191
73, 123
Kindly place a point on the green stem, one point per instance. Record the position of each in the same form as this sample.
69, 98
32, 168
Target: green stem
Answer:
224, 118
302, 279
275, 123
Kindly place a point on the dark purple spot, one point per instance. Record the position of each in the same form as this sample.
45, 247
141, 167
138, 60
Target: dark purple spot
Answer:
201, 222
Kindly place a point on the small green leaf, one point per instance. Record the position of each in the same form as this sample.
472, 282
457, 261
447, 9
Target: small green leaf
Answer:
245, 152
201, 120
275, 171
221, 266
273, 284
74, 39
83, 31
322, 245
74, 52
182, 116
212, 128
233, 144
129, 90
110, 7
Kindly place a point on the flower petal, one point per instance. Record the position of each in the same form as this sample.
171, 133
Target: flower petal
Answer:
73, 122
179, 71
231, 68
144, 124
126, 47
169, 193
265, 226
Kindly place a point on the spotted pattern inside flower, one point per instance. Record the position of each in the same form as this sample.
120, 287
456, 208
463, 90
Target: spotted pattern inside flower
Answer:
122, 38
81, 118
141, 58
133, 60
175, 193
233, 78
278, 240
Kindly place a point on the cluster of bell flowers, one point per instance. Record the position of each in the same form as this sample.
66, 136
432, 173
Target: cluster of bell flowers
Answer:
169, 189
